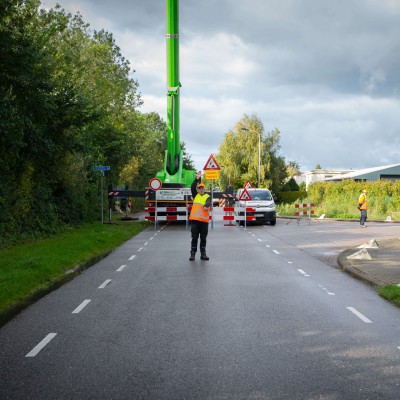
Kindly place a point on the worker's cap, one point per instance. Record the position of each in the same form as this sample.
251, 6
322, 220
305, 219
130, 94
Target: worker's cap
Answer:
201, 185
365, 191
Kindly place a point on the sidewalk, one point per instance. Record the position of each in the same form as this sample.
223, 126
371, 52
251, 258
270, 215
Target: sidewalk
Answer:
383, 268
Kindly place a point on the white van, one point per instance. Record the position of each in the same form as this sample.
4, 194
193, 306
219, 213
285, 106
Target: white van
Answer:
263, 203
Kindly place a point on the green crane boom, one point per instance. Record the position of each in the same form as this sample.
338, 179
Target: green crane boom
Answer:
173, 172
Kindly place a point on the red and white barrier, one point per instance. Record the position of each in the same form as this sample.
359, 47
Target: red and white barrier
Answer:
229, 216
307, 206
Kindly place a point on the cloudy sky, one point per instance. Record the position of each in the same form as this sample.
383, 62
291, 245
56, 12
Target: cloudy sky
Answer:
325, 73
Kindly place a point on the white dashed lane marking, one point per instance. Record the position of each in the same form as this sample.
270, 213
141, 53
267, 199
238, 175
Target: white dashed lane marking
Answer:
41, 345
140, 249
81, 307
359, 315
326, 290
131, 257
302, 272
105, 283
121, 268
146, 243
276, 251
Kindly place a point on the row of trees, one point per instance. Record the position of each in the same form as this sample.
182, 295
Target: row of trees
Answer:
67, 102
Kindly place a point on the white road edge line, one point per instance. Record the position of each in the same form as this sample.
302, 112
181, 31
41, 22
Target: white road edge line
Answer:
359, 315
121, 268
132, 257
81, 306
276, 251
105, 283
40, 346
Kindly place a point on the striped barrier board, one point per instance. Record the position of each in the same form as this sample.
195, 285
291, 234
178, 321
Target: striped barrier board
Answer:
166, 217
167, 209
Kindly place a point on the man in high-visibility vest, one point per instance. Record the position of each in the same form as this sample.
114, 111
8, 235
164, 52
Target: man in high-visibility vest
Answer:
363, 207
199, 217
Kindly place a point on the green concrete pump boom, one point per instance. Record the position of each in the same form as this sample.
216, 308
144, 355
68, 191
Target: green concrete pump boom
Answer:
173, 171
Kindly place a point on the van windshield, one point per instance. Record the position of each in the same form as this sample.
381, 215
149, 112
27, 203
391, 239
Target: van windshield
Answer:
260, 194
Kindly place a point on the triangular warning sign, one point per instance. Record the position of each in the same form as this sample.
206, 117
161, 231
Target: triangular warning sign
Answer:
245, 195
211, 164
248, 185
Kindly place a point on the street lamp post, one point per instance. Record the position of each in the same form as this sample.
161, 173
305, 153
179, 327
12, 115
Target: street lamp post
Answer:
259, 150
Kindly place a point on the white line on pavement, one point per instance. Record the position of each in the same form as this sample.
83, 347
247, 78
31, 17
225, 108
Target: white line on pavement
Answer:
151, 238
140, 249
131, 257
146, 243
40, 346
290, 262
267, 245
105, 283
121, 268
359, 315
302, 272
276, 251
81, 307
259, 240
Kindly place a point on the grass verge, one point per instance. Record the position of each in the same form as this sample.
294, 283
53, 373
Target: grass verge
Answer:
34, 267
391, 293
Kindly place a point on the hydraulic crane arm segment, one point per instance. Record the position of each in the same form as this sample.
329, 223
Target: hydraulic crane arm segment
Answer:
173, 171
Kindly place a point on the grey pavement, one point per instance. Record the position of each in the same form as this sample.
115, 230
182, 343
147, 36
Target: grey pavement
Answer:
382, 269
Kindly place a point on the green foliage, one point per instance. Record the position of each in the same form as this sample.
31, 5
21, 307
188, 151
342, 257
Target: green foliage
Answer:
290, 185
340, 200
292, 196
67, 102
391, 293
238, 153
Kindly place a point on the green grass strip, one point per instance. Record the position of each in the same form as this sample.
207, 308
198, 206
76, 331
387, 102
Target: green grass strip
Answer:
391, 293
33, 266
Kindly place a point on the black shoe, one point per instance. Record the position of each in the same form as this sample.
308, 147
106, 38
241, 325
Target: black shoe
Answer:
204, 256
192, 254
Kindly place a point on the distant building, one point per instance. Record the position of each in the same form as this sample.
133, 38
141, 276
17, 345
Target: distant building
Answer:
317, 175
386, 172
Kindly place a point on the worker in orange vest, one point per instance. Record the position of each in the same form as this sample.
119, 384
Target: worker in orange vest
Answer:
199, 217
363, 207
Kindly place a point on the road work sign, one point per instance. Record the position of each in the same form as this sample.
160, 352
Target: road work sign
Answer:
211, 174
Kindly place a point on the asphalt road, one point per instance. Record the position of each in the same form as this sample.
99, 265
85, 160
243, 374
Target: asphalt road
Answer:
268, 317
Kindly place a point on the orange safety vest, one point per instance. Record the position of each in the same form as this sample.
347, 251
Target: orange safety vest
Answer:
363, 201
199, 213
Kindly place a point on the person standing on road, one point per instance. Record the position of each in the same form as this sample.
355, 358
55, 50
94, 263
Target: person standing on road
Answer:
363, 207
199, 216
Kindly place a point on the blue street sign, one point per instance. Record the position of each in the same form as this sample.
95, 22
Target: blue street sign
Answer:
101, 168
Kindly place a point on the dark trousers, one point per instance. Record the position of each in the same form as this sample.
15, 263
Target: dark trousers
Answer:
363, 217
199, 228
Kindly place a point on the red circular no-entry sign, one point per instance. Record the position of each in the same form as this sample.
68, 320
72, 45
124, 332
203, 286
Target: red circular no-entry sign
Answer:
155, 184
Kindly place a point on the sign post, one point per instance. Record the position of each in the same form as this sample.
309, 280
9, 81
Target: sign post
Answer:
156, 185
212, 172
245, 196
101, 169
